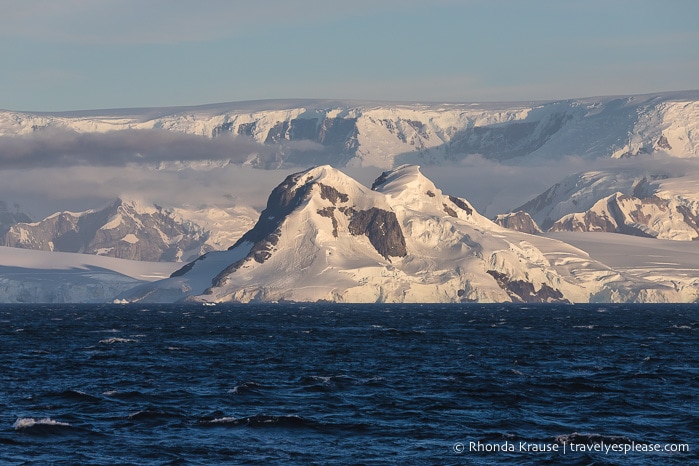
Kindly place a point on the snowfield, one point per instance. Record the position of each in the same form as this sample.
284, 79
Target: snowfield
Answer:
58, 277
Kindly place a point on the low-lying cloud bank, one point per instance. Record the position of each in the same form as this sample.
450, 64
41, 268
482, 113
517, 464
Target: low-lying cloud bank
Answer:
57, 169
54, 147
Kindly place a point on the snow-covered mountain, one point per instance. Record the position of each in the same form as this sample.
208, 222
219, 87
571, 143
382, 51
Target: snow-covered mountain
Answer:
386, 135
130, 229
325, 237
655, 204
57, 277
9, 217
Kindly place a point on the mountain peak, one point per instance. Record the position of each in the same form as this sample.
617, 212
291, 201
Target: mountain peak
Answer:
406, 180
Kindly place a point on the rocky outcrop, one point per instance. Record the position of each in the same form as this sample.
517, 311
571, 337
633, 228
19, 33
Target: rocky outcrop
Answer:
523, 292
329, 212
382, 229
518, 221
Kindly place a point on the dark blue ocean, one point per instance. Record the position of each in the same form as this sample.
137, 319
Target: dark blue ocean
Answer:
348, 384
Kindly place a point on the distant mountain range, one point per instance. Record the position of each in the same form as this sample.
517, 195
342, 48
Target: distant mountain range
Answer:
386, 135
134, 230
651, 204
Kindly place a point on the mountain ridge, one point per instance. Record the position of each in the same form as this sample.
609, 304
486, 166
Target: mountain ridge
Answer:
386, 135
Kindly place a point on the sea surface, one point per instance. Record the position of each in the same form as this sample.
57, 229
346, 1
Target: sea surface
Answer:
349, 384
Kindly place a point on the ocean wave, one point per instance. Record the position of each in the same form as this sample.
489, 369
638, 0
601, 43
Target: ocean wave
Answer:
126, 395
43, 426
153, 414
26, 422
286, 421
73, 395
248, 388
260, 420
396, 332
111, 341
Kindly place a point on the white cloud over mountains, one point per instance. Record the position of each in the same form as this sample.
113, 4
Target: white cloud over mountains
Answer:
54, 147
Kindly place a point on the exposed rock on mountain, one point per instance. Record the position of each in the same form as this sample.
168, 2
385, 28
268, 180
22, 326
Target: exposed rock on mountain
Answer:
382, 229
519, 221
402, 241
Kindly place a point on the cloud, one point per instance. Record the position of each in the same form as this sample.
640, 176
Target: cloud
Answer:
43, 191
53, 147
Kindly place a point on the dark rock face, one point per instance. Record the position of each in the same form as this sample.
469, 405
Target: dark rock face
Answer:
591, 222
508, 141
523, 292
690, 218
337, 135
379, 181
461, 204
331, 194
663, 143
518, 221
281, 202
182, 271
329, 212
451, 212
382, 229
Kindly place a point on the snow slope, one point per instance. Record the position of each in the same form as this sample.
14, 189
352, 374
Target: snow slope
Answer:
325, 237
670, 263
55, 277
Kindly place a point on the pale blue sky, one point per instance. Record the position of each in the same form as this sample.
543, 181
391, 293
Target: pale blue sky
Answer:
89, 54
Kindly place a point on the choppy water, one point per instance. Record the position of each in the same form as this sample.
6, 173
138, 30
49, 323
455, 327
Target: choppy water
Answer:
340, 384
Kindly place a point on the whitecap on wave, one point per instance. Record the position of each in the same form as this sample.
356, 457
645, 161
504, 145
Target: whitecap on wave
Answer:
111, 341
27, 422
